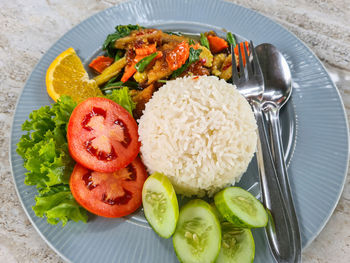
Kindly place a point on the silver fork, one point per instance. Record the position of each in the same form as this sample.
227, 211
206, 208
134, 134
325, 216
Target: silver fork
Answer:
250, 83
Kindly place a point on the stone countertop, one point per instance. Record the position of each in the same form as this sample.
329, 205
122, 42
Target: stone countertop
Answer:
29, 27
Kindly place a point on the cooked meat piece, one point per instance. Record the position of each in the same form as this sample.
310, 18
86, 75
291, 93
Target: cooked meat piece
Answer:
217, 64
226, 69
160, 70
196, 69
139, 37
141, 98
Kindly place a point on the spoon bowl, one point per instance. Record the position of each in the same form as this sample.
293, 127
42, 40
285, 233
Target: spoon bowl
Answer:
277, 76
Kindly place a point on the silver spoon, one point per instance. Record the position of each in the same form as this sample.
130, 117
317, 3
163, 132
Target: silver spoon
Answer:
278, 88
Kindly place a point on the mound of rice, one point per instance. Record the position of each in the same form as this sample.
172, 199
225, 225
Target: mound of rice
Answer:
201, 133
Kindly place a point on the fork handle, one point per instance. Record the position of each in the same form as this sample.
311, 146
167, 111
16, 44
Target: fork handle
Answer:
272, 114
279, 231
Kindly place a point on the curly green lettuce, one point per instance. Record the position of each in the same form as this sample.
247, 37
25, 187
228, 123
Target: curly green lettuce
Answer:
122, 97
44, 149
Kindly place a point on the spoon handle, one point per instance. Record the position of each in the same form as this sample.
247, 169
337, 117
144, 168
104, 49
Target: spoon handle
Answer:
272, 115
278, 230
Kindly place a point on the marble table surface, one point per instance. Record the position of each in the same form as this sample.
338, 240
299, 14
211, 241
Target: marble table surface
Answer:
29, 27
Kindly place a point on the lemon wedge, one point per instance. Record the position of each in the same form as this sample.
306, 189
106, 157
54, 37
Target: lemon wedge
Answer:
66, 76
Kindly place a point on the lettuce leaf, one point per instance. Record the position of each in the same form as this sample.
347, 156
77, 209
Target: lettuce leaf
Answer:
57, 204
122, 97
44, 149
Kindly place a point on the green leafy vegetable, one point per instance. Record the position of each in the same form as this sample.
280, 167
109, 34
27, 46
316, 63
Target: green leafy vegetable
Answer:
44, 149
121, 31
119, 54
57, 204
204, 41
193, 57
122, 97
191, 42
231, 39
143, 63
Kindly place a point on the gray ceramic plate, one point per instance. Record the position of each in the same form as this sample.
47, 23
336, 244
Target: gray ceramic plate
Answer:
315, 130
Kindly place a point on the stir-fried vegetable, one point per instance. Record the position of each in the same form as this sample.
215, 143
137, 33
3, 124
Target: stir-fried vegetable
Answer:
217, 44
143, 63
111, 71
100, 63
146, 56
231, 39
204, 41
193, 57
121, 31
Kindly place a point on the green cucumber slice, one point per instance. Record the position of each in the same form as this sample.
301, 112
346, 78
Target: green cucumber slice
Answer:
198, 235
160, 204
240, 208
237, 245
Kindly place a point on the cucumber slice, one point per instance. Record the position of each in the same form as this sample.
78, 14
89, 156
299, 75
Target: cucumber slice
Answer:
240, 208
237, 245
198, 235
160, 204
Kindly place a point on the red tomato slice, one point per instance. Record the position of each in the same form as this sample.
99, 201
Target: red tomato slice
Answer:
102, 135
114, 194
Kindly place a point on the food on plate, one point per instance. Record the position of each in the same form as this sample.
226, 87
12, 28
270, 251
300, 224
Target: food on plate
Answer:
110, 72
44, 149
100, 63
198, 131
147, 56
45, 153
102, 135
109, 194
198, 234
160, 204
67, 76
237, 245
240, 208
197, 136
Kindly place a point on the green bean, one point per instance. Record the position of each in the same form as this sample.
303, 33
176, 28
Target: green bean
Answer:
231, 39
143, 63
204, 41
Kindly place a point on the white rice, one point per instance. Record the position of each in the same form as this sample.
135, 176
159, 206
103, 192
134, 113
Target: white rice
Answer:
201, 133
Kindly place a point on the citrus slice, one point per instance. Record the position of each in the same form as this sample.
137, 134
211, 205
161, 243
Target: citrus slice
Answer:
67, 76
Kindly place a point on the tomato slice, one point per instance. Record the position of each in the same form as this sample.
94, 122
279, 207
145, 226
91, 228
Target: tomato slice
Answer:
114, 194
102, 135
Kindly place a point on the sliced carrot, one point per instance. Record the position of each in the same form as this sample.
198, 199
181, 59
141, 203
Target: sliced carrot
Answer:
130, 69
241, 45
216, 43
100, 63
178, 56
146, 50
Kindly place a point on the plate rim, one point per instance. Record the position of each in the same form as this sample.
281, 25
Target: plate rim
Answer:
346, 122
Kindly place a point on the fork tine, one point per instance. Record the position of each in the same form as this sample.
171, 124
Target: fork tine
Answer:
241, 67
256, 65
247, 60
235, 77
